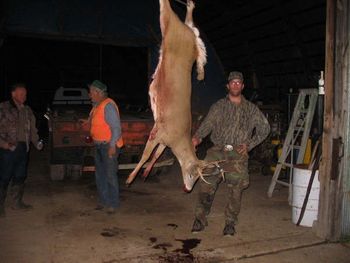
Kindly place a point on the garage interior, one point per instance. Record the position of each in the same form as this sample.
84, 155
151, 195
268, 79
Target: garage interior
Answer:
281, 47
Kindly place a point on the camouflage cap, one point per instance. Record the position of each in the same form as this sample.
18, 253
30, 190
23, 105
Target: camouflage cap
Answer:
235, 75
98, 85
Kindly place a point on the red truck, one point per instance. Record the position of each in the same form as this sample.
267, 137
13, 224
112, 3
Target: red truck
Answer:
71, 149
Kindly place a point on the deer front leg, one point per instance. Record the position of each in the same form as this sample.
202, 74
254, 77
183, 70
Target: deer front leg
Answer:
150, 145
155, 157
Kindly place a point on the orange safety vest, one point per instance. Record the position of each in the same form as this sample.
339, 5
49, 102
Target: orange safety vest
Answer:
100, 130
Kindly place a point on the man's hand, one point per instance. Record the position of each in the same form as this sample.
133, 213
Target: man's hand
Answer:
111, 151
196, 141
242, 149
9, 146
84, 122
5, 145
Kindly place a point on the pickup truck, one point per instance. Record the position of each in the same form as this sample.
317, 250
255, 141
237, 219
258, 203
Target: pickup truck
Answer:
71, 148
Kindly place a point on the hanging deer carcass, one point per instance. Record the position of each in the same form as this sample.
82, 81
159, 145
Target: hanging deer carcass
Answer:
170, 94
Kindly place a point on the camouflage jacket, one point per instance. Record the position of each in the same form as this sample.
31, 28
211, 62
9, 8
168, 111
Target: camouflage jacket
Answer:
9, 118
234, 124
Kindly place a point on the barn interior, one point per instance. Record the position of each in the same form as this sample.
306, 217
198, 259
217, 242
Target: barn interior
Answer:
279, 46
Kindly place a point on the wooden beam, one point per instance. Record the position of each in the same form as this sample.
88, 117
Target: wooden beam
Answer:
328, 226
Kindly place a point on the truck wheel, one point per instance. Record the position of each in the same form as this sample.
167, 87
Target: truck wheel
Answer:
57, 172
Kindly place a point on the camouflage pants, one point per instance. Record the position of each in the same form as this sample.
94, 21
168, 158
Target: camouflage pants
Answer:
236, 177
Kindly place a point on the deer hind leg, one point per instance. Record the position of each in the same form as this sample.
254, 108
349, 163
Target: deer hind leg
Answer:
155, 157
165, 11
189, 16
150, 145
201, 50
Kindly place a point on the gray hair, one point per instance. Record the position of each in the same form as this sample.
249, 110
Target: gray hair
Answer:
103, 93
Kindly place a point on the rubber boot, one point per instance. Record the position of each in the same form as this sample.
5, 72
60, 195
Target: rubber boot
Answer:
2, 201
18, 191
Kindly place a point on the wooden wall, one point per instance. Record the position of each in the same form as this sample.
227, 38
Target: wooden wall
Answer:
334, 171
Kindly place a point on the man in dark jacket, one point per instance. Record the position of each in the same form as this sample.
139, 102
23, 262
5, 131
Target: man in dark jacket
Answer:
17, 130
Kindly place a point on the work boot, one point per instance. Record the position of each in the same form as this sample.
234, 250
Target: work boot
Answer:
229, 229
198, 226
17, 192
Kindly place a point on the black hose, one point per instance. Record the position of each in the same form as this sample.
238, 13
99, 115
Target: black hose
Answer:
314, 169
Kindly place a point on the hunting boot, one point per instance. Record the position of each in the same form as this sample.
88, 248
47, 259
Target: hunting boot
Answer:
17, 191
229, 229
2, 201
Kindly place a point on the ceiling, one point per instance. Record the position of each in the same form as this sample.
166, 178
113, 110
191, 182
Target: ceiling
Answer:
277, 43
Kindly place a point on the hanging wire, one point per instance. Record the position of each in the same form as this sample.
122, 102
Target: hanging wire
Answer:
181, 2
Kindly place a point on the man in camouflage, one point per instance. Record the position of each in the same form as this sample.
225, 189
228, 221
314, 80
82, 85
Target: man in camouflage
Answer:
236, 126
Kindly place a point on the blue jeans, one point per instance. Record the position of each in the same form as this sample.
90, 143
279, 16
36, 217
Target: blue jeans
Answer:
106, 176
13, 165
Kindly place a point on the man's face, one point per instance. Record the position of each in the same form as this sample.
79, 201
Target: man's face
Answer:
94, 95
19, 95
235, 87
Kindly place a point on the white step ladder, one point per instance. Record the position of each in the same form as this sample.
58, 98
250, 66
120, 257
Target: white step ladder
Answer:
297, 136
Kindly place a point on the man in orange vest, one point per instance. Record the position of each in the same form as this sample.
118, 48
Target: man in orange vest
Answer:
105, 130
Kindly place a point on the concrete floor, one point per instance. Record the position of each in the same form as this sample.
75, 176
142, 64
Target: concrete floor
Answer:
153, 225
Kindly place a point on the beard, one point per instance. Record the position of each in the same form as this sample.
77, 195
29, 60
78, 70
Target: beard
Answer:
235, 93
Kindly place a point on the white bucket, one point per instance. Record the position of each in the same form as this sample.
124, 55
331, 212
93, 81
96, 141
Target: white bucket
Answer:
301, 178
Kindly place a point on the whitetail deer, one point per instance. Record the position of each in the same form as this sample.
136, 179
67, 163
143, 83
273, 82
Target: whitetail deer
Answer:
170, 94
